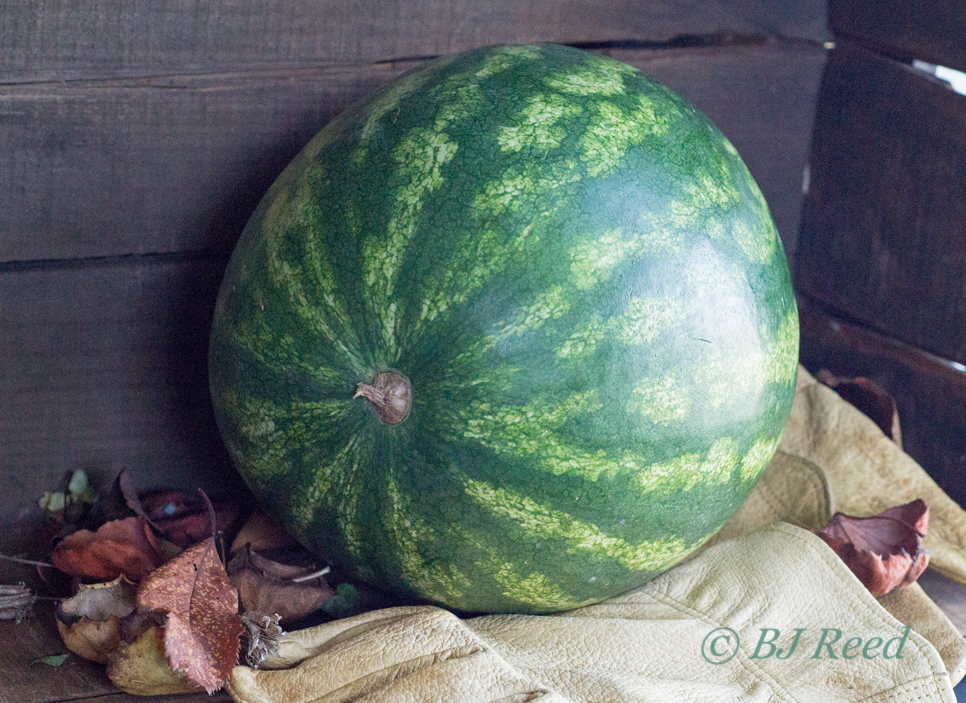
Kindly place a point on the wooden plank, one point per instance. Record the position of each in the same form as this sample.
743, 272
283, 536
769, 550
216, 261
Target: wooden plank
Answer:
178, 163
909, 29
76, 39
155, 165
104, 367
883, 223
930, 392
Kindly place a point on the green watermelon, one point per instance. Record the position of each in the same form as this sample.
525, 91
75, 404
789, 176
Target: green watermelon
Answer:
516, 334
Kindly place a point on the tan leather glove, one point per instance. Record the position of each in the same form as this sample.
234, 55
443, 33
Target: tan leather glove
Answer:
395, 654
653, 644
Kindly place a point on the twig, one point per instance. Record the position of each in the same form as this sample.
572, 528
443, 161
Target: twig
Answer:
29, 562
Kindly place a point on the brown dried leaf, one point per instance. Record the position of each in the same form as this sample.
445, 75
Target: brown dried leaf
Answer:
183, 518
267, 586
89, 623
118, 502
118, 547
140, 668
262, 534
870, 398
884, 551
202, 627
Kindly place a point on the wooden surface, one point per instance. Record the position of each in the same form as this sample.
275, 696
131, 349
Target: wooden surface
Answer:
910, 29
882, 229
930, 392
55, 40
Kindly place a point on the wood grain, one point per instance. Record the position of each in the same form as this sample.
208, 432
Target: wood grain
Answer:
178, 163
881, 238
909, 29
104, 367
930, 391
54, 40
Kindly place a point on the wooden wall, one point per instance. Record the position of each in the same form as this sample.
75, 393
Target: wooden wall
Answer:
881, 260
136, 139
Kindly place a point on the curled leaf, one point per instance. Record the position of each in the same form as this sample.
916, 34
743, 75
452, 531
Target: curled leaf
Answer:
68, 505
118, 547
870, 398
262, 534
267, 586
884, 551
90, 622
140, 668
202, 626
183, 518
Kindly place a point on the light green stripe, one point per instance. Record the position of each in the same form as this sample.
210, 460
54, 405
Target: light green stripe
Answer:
419, 158
431, 579
324, 314
544, 522
536, 126
686, 471
662, 399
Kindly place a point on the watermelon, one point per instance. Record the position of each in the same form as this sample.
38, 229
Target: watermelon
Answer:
515, 334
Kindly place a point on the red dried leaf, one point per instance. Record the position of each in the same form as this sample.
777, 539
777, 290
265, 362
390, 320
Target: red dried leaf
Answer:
267, 586
202, 627
118, 547
884, 551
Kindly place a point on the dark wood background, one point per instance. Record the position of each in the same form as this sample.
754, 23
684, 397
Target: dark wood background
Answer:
136, 139
881, 256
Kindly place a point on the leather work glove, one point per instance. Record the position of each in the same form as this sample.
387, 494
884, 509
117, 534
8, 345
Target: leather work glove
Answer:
662, 642
761, 577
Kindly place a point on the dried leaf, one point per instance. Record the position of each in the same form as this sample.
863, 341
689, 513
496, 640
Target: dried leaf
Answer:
118, 502
884, 551
69, 504
267, 586
90, 622
870, 398
202, 626
140, 668
118, 547
262, 534
182, 518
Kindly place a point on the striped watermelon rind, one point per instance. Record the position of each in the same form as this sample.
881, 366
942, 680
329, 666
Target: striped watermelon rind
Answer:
580, 281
